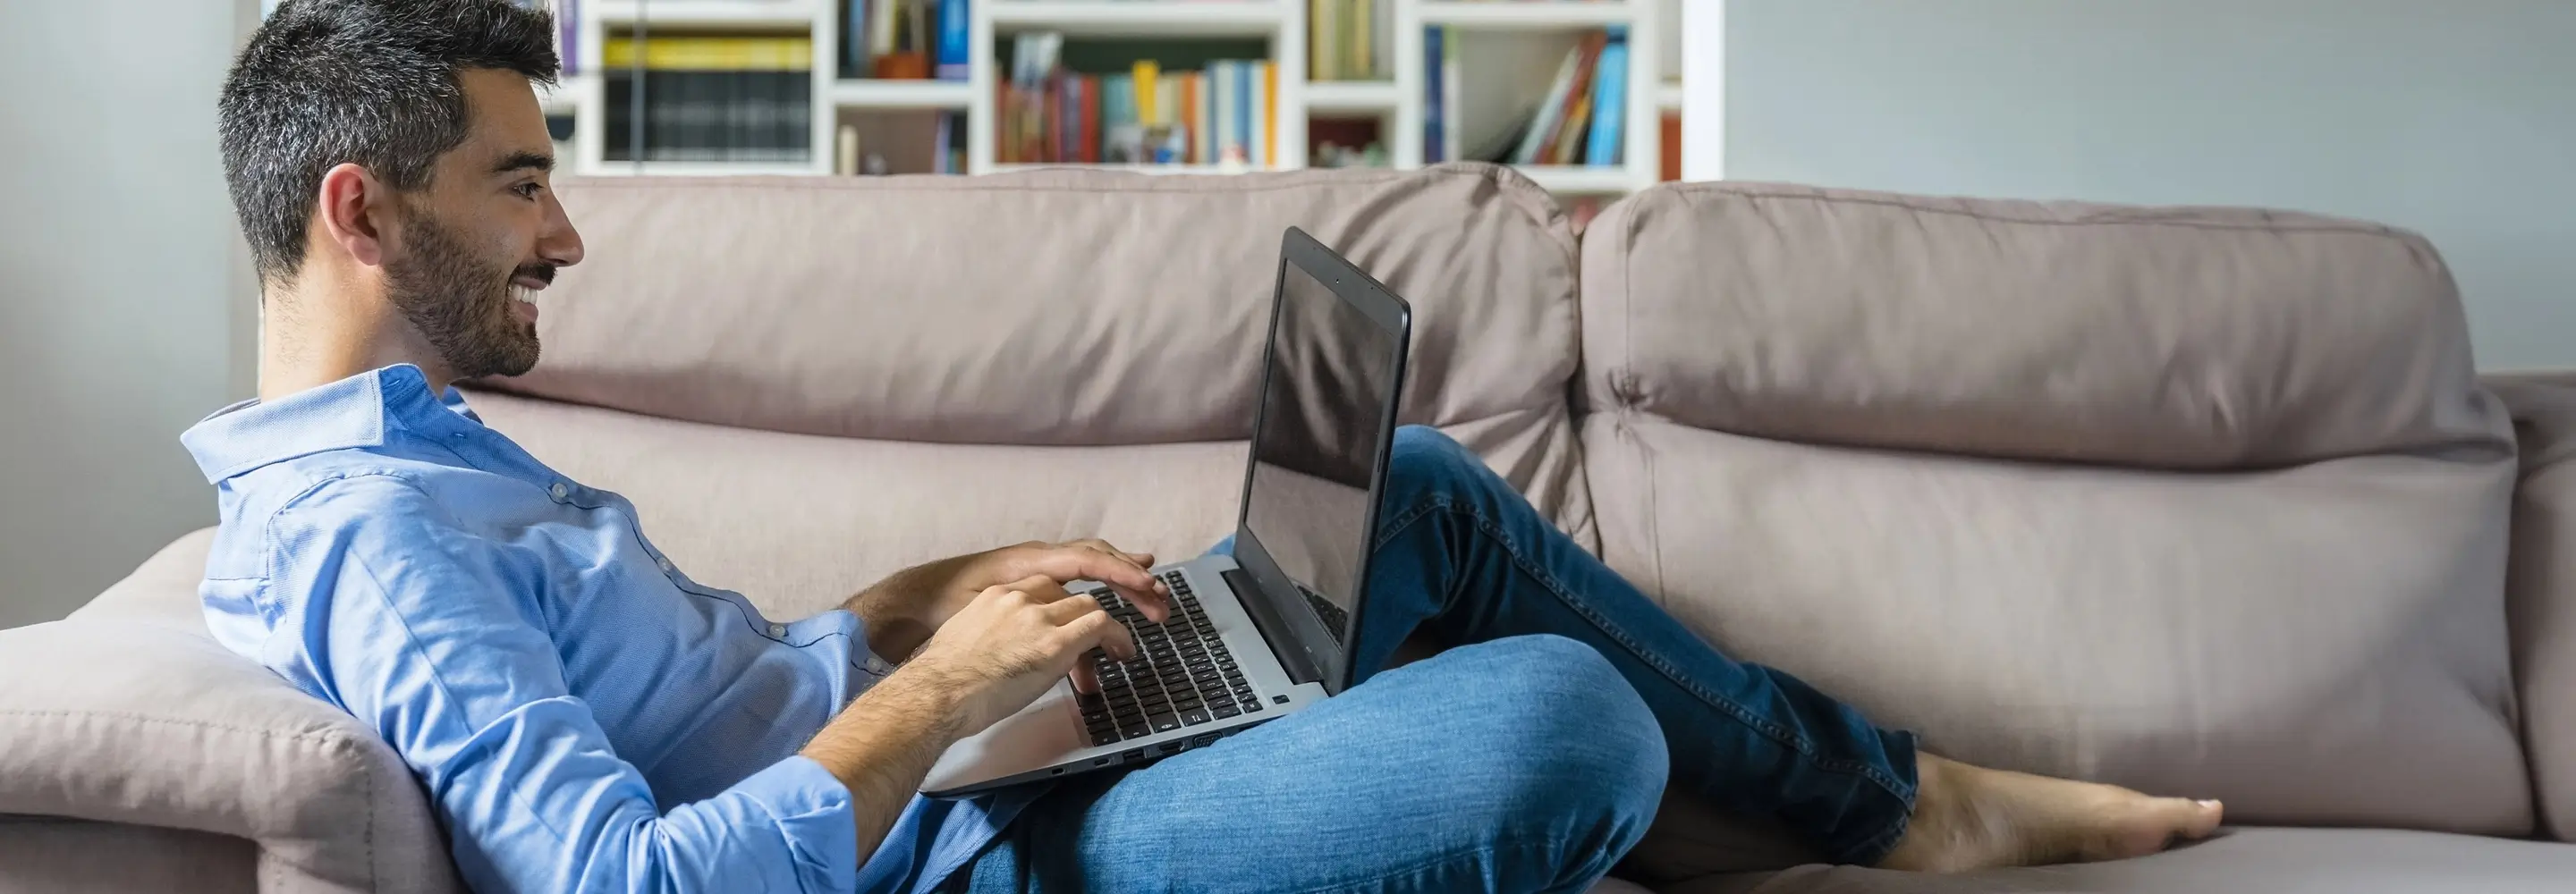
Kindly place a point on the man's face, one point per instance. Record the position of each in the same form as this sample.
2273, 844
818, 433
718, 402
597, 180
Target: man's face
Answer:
485, 235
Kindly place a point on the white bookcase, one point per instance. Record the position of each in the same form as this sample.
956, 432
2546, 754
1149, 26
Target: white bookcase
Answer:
1508, 45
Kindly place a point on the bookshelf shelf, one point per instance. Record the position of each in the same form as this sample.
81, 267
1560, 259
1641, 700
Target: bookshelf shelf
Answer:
758, 15
711, 168
1371, 97
1131, 18
1548, 14
1579, 179
877, 94
1142, 169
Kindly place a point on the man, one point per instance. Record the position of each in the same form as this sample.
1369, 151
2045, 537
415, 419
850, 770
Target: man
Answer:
584, 716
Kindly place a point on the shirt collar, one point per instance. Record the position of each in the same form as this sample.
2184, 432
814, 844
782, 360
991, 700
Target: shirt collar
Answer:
351, 412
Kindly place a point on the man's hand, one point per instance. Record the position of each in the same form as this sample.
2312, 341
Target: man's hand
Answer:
903, 610
1011, 642
997, 654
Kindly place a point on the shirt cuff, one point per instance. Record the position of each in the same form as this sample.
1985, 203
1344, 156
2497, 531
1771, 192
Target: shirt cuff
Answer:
813, 812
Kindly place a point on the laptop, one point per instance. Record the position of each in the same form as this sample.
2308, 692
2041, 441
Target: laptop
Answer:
1265, 632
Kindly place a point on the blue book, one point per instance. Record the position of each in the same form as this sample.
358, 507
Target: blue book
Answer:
1609, 102
1433, 140
1243, 90
950, 60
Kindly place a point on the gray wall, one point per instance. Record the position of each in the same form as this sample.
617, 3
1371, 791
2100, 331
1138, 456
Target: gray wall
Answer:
123, 293
2455, 118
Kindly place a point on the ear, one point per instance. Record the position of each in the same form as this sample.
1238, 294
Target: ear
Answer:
351, 211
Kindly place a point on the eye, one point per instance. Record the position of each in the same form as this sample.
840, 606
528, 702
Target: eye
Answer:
527, 190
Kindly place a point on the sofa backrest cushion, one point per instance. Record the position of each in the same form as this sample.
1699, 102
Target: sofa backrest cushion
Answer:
2189, 338
1054, 308
2199, 501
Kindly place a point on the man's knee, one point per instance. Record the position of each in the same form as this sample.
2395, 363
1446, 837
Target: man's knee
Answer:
1561, 736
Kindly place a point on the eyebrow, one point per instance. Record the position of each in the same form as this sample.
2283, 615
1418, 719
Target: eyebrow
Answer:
522, 160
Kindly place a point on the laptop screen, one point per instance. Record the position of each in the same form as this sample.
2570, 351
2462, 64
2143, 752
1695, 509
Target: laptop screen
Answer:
1332, 371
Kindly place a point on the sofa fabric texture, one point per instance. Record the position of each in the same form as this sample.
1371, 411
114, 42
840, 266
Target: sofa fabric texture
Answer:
2207, 501
2544, 587
2201, 501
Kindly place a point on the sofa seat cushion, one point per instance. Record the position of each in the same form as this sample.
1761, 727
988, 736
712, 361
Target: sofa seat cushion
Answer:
2271, 861
1054, 308
2200, 501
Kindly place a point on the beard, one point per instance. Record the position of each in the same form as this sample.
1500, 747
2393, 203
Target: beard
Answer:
460, 304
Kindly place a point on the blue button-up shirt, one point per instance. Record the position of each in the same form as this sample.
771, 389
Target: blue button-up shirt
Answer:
584, 716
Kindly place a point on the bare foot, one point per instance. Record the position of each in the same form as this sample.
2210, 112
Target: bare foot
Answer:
1969, 817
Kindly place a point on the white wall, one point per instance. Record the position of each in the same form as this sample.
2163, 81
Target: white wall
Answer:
2457, 119
125, 310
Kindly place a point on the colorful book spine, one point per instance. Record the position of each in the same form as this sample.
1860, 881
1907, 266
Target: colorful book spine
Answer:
1434, 142
857, 59
950, 58
1551, 107
1609, 101
1269, 117
1324, 30
1230, 103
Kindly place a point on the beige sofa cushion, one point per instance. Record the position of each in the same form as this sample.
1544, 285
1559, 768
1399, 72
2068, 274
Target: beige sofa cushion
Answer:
2543, 581
41, 855
128, 713
1814, 446
2200, 338
1057, 308
2252, 861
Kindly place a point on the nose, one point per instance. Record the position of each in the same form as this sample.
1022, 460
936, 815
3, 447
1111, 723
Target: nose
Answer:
558, 243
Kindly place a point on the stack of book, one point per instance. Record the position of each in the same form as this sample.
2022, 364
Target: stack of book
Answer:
1579, 121
721, 99
1218, 116
1341, 40
904, 39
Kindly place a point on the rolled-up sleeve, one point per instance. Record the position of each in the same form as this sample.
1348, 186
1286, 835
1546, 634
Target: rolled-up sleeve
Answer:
434, 638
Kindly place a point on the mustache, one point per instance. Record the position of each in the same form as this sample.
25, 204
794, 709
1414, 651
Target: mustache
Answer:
544, 273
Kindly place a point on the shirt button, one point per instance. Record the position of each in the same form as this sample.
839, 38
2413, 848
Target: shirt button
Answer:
559, 490
877, 666
778, 630
665, 562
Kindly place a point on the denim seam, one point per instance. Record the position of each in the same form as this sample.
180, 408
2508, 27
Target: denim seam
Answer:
1727, 706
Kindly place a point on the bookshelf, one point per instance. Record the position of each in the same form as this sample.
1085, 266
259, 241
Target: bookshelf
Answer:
1529, 34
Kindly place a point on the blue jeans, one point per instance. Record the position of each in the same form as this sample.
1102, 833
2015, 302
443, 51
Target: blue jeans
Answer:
1530, 756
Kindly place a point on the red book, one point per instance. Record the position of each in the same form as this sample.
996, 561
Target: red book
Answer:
1053, 112
1090, 119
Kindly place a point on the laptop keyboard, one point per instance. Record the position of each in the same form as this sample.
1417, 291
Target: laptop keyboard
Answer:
1182, 674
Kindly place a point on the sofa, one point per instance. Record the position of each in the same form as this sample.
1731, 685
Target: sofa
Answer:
2206, 501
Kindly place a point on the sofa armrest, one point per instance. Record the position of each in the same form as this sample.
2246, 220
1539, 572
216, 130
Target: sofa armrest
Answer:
122, 718
2541, 587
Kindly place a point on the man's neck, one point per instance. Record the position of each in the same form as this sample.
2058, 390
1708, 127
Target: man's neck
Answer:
317, 330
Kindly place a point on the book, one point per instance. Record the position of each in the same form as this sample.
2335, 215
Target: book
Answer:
1359, 41
949, 56
1551, 107
1268, 144
1553, 145
858, 56
1609, 102
1434, 142
719, 99
1324, 36
1452, 82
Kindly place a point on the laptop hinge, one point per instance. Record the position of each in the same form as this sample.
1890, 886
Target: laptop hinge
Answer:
1274, 629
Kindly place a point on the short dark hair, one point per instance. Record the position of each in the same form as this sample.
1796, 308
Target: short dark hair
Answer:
370, 82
